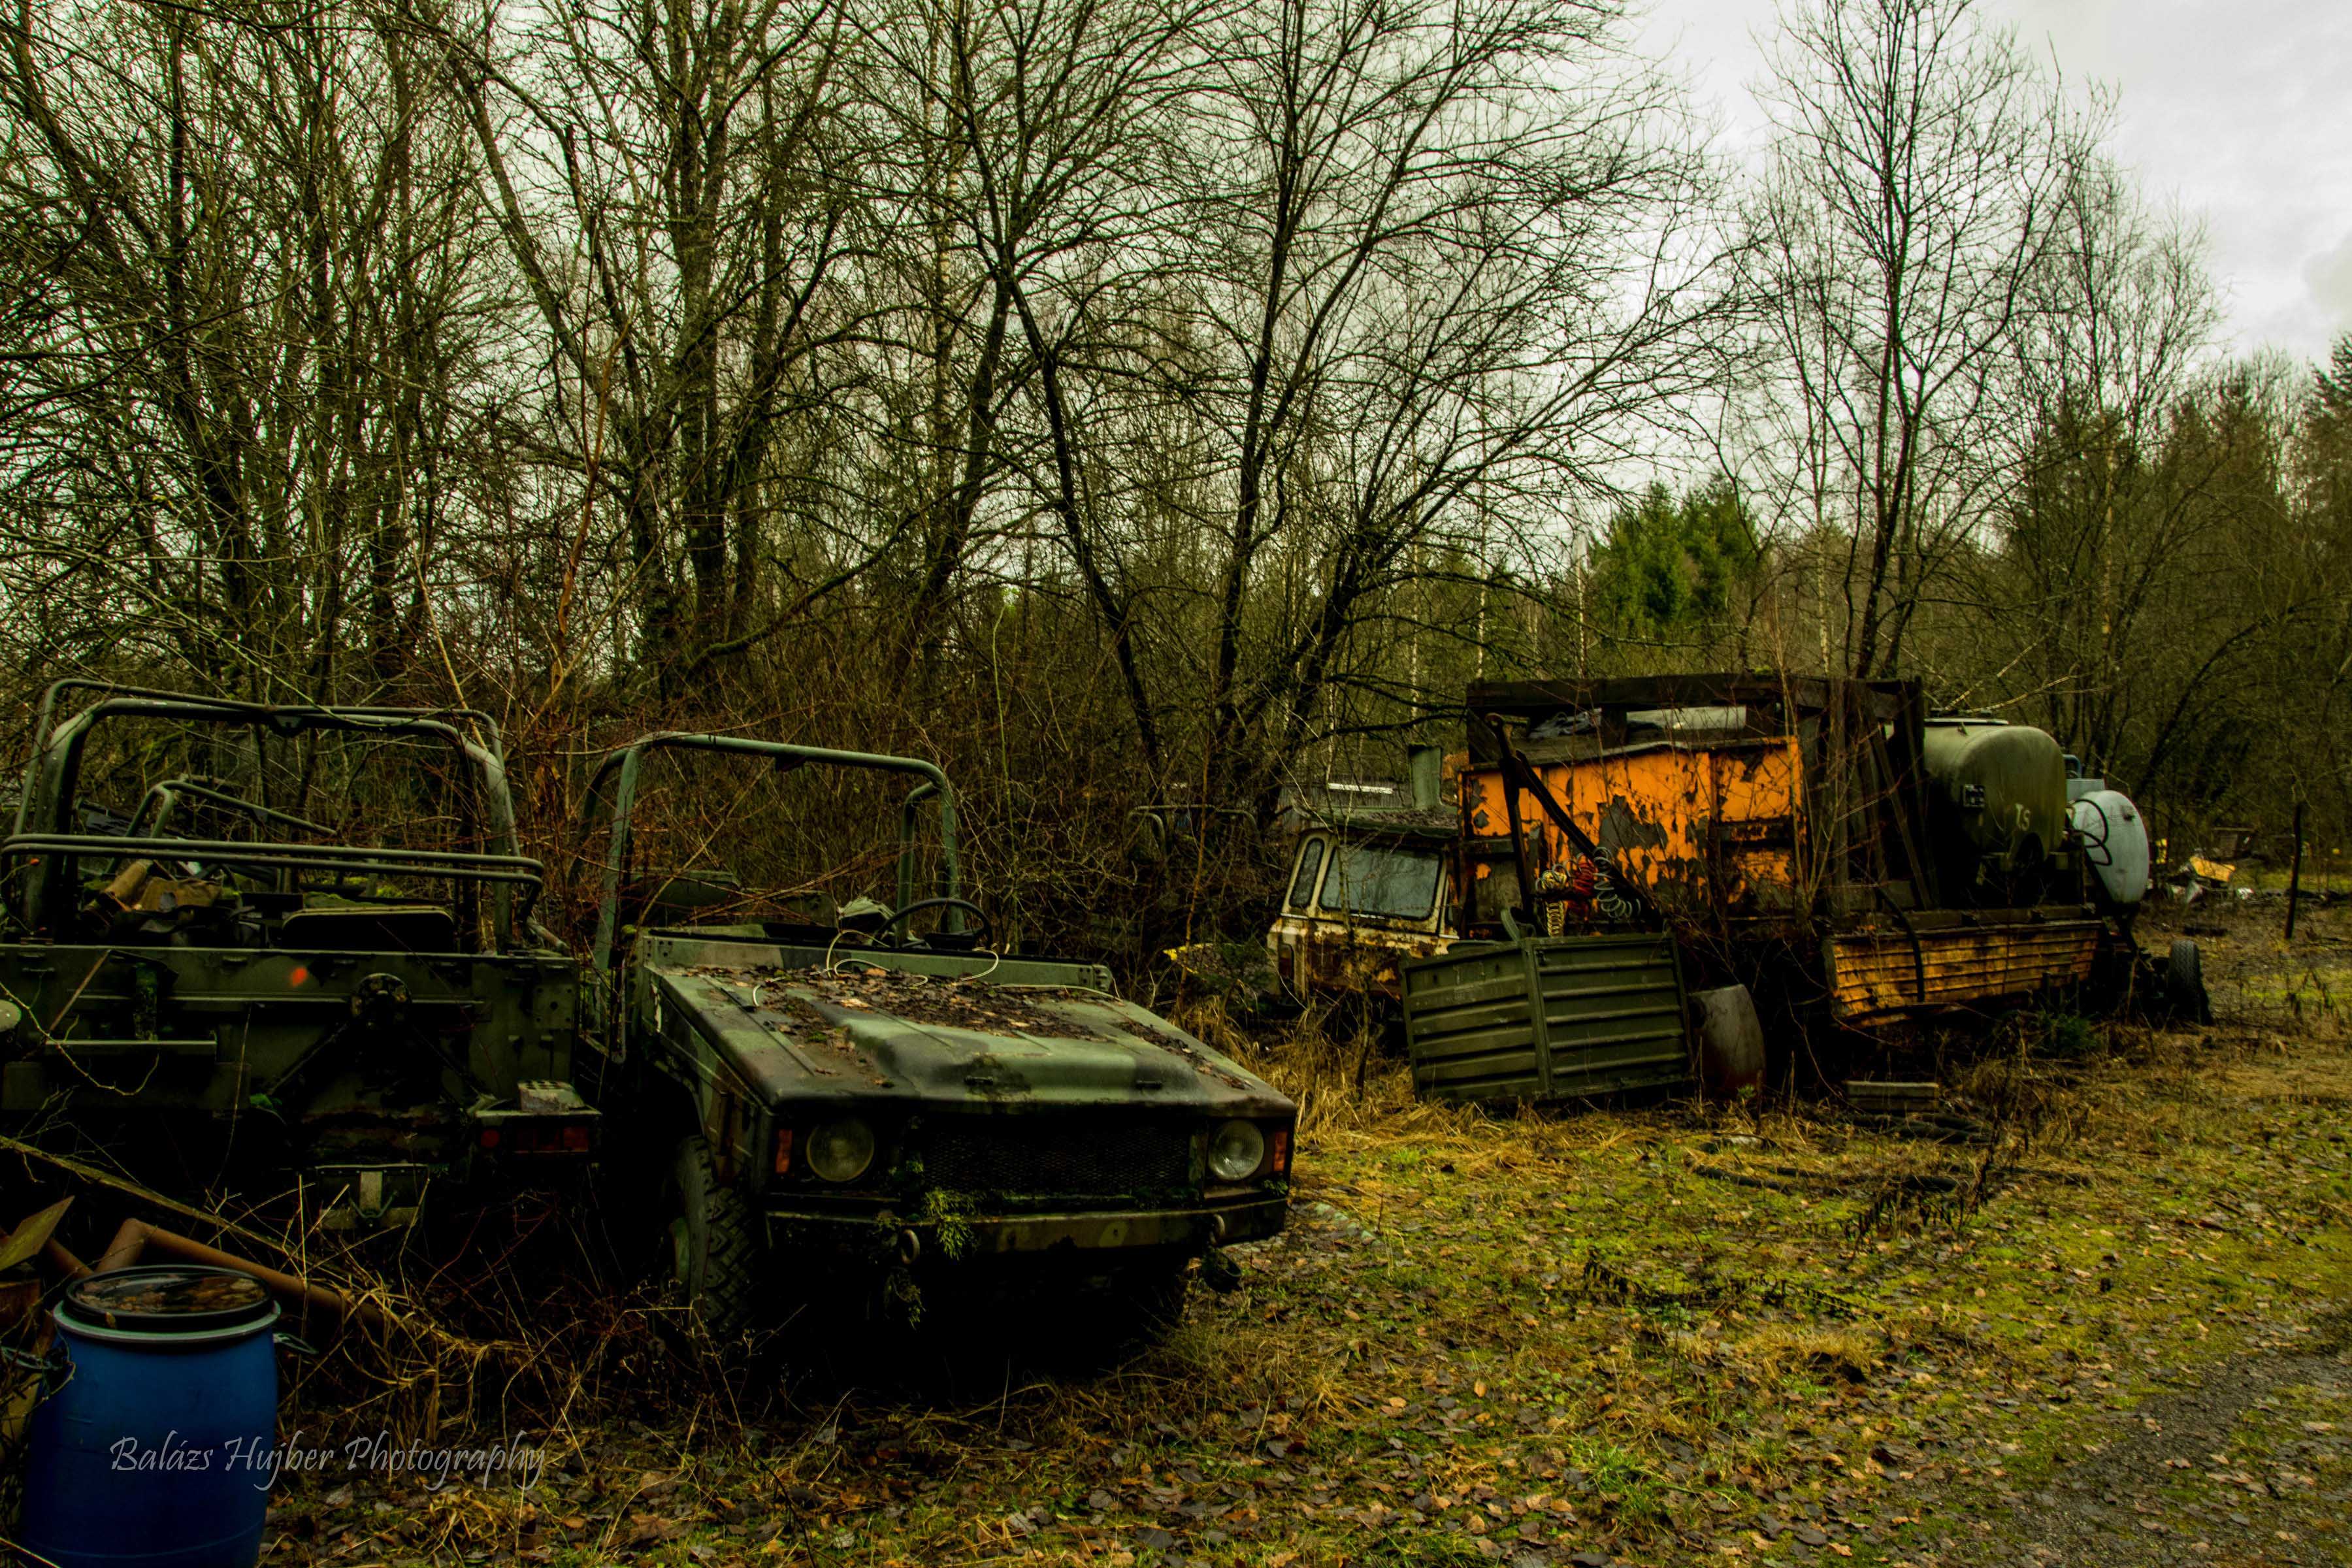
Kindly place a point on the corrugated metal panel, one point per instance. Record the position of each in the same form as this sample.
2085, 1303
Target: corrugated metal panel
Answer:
1875, 976
1556, 1018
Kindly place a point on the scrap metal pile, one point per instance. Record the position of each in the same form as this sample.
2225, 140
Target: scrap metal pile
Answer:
1809, 859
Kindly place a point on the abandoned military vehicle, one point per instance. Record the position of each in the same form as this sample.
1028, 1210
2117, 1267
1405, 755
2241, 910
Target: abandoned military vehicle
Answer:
883, 1096
300, 948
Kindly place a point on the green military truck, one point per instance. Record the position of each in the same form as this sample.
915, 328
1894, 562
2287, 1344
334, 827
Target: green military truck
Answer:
884, 1109
215, 986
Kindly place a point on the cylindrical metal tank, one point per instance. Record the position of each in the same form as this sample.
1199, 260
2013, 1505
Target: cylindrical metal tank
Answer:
1730, 1042
2002, 810
2114, 837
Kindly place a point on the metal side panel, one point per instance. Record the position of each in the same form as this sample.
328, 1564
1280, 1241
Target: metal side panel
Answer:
1469, 1025
1613, 1011
1878, 975
1558, 1019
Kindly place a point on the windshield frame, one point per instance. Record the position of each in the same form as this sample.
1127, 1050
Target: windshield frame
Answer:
1333, 883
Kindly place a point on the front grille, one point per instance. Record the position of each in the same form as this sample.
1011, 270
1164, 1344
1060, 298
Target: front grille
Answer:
1046, 1155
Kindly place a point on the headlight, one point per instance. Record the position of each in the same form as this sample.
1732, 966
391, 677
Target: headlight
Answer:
840, 1151
1236, 1151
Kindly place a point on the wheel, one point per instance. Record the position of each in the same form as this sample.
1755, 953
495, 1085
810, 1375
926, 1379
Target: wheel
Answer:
2184, 981
714, 1244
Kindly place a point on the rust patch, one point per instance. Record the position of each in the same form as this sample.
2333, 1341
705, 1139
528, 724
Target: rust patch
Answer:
1621, 829
1877, 976
1708, 826
803, 997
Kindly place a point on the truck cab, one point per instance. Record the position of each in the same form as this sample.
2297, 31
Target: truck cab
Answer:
1362, 896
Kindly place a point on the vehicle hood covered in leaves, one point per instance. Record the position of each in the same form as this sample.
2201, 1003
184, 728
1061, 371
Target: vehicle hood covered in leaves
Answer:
928, 1027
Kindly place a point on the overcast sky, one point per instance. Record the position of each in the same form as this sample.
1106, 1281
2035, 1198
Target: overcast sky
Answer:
2239, 111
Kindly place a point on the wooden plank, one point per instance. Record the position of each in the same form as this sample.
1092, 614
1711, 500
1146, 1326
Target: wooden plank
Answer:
1963, 965
1631, 960
1452, 1023
1580, 1034
1595, 998
1515, 1077
2024, 970
1490, 1043
1958, 979
1476, 991
34, 1234
1883, 1094
1539, 1026
1597, 1040
1658, 1048
1663, 1075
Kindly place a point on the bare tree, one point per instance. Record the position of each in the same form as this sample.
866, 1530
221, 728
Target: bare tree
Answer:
1027, 151
1441, 275
669, 185
2123, 318
1920, 177
253, 361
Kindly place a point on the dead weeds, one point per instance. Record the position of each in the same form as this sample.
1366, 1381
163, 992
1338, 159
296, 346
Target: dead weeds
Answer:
1667, 1334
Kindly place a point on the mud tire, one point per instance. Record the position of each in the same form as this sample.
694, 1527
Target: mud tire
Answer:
2184, 981
716, 1250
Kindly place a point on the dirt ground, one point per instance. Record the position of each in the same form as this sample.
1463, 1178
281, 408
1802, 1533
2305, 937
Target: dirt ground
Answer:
2119, 1333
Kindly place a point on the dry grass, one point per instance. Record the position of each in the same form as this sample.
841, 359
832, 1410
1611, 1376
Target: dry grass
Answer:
452, 1336
1442, 1322
1771, 1352
1357, 1092
1337, 1083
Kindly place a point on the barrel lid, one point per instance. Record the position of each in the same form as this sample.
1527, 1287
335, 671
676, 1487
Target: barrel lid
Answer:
166, 1299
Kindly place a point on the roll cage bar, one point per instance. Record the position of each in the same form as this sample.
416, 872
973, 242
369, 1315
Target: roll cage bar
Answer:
43, 834
53, 696
155, 808
622, 766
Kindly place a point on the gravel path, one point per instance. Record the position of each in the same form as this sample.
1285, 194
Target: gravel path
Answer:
2252, 1464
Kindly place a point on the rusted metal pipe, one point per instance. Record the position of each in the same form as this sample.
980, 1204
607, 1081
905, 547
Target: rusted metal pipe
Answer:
123, 1251
136, 1237
1520, 773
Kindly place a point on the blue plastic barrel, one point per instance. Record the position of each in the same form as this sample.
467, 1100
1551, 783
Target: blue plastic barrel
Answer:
152, 1446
